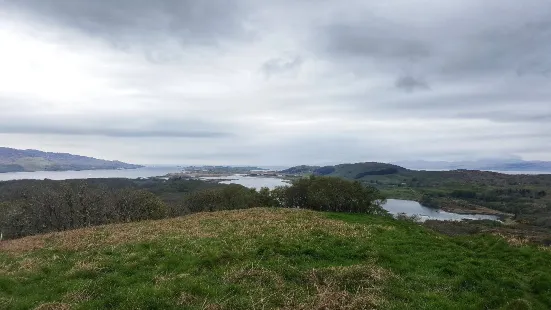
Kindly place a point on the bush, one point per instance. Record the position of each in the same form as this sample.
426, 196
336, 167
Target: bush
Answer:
139, 205
330, 194
230, 197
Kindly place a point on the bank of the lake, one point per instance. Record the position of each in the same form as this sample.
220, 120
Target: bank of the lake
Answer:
414, 208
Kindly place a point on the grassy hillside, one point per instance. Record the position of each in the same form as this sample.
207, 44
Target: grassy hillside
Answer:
13, 160
348, 171
271, 258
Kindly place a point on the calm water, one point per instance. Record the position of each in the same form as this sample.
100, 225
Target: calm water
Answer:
251, 182
89, 174
409, 207
522, 172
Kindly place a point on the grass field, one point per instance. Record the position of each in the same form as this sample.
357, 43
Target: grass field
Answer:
271, 258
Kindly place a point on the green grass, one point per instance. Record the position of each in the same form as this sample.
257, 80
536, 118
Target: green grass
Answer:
271, 258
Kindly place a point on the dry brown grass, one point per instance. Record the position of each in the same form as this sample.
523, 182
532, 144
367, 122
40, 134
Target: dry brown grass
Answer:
53, 306
212, 307
78, 296
333, 287
186, 299
343, 287
513, 240
284, 223
22, 265
6, 303
29, 264
86, 266
254, 275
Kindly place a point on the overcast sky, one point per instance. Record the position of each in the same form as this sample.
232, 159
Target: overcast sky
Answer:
277, 82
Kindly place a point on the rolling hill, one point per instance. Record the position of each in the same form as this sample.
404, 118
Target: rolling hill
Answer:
14, 160
347, 171
271, 258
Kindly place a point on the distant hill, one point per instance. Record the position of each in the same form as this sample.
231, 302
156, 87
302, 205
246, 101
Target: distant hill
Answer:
14, 160
304, 169
348, 171
485, 164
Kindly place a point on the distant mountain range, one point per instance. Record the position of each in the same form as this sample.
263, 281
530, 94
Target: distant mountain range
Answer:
485, 164
14, 160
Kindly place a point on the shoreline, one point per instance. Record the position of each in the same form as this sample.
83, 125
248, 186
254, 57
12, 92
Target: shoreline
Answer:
478, 211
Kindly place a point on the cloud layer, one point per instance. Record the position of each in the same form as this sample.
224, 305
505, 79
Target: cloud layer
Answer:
277, 82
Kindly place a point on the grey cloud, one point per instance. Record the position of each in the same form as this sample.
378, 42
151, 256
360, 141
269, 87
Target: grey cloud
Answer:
512, 116
510, 48
281, 65
112, 126
371, 39
230, 88
515, 41
109, 132
128, 22
409, 83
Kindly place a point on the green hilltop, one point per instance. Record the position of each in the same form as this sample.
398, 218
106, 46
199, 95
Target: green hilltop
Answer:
272, 258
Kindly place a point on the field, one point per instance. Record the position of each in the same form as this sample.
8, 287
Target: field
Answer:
266, 258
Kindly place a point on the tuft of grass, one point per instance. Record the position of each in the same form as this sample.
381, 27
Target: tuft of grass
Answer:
271, 259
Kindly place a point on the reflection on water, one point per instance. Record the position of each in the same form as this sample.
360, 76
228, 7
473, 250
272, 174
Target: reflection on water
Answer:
89, 174
411, 208
251, 182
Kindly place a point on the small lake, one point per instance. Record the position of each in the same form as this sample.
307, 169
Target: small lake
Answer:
410, 208
144, 172
251, 182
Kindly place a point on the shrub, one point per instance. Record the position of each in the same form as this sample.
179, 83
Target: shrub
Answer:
330, 194
230, 197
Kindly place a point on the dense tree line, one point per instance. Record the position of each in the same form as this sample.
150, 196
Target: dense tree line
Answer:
315, 193
63, 206
34, 207
29, 207
327, 194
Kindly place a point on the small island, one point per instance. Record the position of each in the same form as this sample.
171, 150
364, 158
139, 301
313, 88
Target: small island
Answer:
14, 160
220, 171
